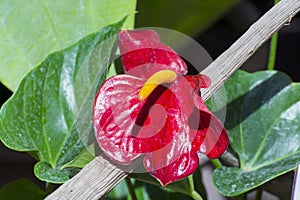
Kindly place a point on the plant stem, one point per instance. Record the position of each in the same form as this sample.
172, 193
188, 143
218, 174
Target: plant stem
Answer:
258, 194
273, 48
196, 196
216, 163
130, 188
194, 193
272, 52
191, 182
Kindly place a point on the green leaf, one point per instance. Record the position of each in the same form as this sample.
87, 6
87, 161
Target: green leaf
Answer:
51, 111
31, 30
189, 17
119, 192
86, 156
22, 189
263, 122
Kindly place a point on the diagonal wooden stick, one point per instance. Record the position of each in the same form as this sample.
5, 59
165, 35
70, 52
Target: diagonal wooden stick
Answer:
100, 176
237, 54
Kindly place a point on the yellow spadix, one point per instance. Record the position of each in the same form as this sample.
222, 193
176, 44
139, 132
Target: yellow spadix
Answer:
163, 76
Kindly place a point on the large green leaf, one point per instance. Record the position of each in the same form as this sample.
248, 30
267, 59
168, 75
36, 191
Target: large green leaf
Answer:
30, 30
51, 111
21, 189
263, 122
189, 17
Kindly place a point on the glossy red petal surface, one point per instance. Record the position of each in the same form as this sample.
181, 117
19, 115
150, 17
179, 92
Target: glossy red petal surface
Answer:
182, 167
143, 54
112, 121
126, 127
214, 140
170, 126
204, 133
177, 159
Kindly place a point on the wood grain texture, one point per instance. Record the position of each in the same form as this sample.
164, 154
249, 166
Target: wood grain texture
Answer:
100, 176
92, 182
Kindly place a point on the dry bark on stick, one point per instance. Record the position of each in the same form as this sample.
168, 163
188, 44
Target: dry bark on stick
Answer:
100, 176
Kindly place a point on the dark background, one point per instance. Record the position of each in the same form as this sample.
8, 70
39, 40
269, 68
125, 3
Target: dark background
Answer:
216, 39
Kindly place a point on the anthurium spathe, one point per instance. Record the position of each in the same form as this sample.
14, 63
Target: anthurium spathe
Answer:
156, 111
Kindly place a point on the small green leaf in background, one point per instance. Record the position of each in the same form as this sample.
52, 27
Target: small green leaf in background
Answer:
263, 122
31, 30
189, 17
120, 192
50, 112
21, 189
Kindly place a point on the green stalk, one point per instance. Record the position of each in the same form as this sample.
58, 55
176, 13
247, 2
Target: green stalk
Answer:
130, 188
194, 193
216, 163
273, 48
196, 196
273, 51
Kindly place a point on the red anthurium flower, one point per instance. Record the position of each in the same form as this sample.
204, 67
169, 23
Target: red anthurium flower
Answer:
156, 111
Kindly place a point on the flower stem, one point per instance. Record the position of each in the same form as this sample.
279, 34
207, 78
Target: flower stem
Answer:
196, 196
194, 193
216, 163
130, 188
191, 182
273, 48
272, 52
